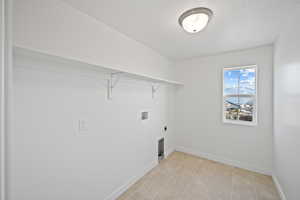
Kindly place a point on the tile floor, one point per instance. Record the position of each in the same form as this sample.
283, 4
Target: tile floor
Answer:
186, 177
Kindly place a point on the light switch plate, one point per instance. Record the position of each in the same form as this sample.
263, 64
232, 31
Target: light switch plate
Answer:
82, 126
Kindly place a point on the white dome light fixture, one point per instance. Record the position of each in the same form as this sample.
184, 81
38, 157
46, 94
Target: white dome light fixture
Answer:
195, 20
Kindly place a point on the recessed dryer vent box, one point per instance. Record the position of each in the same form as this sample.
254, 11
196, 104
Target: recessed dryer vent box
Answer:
145, 115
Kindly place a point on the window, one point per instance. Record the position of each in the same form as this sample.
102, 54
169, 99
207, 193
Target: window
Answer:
239, 95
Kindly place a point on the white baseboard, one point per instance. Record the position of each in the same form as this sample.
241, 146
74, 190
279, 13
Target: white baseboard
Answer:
279, 188
169, 152
126, 186
220, 159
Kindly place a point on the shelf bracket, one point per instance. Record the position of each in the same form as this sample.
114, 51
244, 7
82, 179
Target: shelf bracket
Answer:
154, 89
111, 83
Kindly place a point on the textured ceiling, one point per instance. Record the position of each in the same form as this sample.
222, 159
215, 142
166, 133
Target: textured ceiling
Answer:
237, 24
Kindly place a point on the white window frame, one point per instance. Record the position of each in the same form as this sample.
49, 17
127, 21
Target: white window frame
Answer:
255, 105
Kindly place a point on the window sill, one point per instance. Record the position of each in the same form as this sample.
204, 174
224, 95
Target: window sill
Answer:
243, 123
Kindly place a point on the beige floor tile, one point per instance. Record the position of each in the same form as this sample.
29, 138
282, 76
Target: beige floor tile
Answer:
185, 177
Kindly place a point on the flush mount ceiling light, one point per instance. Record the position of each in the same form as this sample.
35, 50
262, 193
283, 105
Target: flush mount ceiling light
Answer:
195, 20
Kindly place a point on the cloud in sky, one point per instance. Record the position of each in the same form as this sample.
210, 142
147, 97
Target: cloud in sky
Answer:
239, 81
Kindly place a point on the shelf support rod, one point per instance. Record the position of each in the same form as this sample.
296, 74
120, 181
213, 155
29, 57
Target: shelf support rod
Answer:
111, 83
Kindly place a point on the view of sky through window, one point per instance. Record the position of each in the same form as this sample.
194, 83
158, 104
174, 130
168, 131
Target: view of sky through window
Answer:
239, 93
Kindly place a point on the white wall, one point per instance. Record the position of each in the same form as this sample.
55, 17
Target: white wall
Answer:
199, 111
55, 28
287, 107
50, 159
